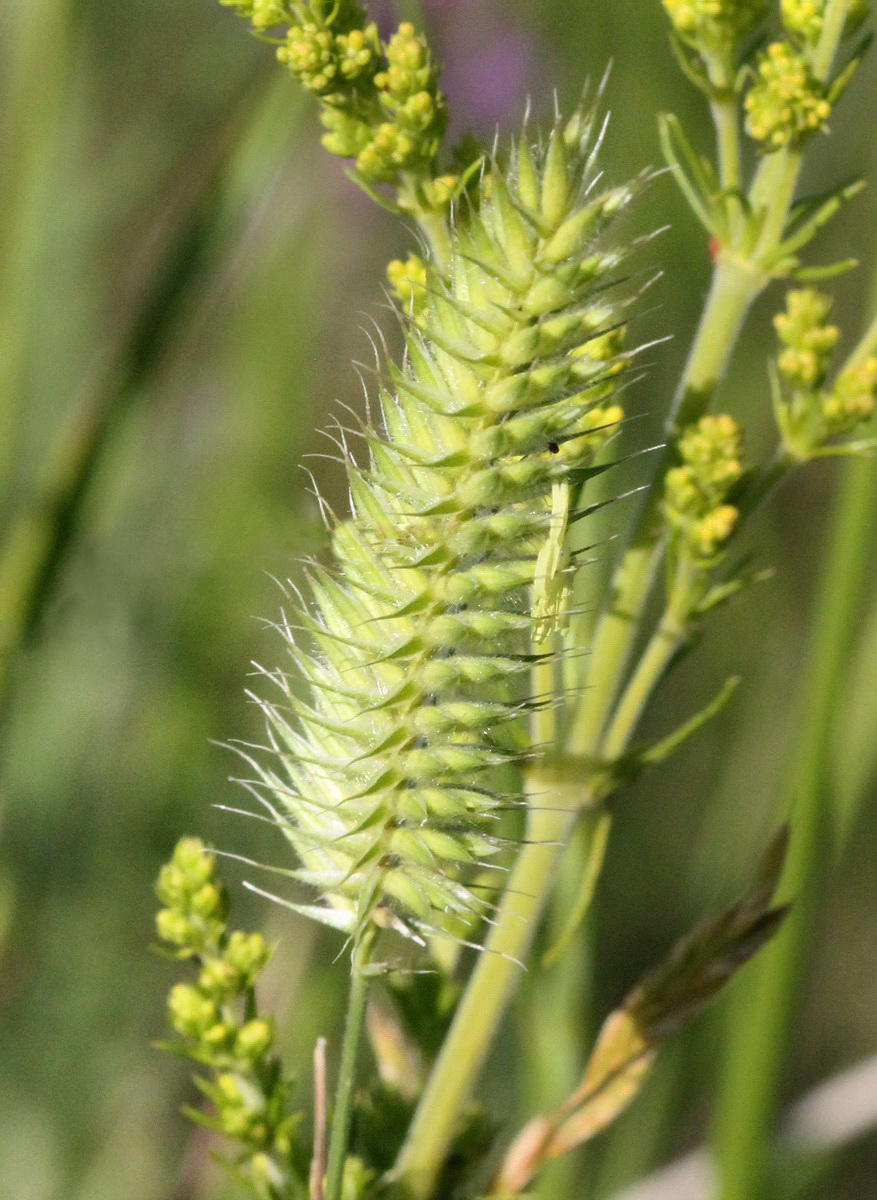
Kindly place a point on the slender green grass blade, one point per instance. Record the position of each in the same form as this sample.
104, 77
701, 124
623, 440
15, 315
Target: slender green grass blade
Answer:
761, 1025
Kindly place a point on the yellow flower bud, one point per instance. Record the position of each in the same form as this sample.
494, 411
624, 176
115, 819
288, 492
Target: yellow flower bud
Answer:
173, 927
247, 953
803, 17
808, 339
219, 978
206, 901
408, 283
714, 23
309, 52
254, 1039
191, 1012
696, 490
711, 531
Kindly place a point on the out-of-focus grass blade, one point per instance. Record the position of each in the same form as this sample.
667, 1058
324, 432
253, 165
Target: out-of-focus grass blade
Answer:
40, 534
35, 68
855, 765
761, 1021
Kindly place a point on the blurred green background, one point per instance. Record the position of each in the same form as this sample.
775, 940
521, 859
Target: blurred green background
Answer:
185, 280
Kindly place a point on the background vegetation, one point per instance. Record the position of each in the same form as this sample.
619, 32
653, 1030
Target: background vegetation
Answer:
184, 280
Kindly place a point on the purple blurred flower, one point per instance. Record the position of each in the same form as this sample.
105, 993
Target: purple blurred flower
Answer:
490, 63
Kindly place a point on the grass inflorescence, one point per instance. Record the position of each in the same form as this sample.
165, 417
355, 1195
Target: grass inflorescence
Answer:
420, 632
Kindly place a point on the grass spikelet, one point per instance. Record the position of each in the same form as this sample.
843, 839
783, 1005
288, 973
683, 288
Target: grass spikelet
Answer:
419, 633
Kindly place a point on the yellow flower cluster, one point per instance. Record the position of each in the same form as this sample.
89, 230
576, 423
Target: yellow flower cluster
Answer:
696, 490
714, 22
803, 18
810, 414
382, 106
216, 1016
408, 283
852, 400
808, 339
415, 111
380, 103
786, 102
325, 62
264, 14
194, 917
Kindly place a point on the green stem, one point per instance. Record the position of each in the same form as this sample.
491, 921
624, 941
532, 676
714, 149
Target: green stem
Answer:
663, 646
774, 189
728, 141
543, 727
433, 221
866, 347
734, 287
553, 1046
434, 224
341, 1111
549, 823
762, 1021
833, 22
723, 106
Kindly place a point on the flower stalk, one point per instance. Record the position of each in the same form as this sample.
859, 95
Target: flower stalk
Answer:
353, 1026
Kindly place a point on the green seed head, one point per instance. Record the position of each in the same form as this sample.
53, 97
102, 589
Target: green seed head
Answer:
385, 781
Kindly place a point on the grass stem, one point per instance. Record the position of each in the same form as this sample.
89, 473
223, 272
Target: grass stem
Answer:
342, 1108
761, 1022
549, 823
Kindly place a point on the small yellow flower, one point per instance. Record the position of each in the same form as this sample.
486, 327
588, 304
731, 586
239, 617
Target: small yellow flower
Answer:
191, 1012
173, 927
267, 13
254, 1039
